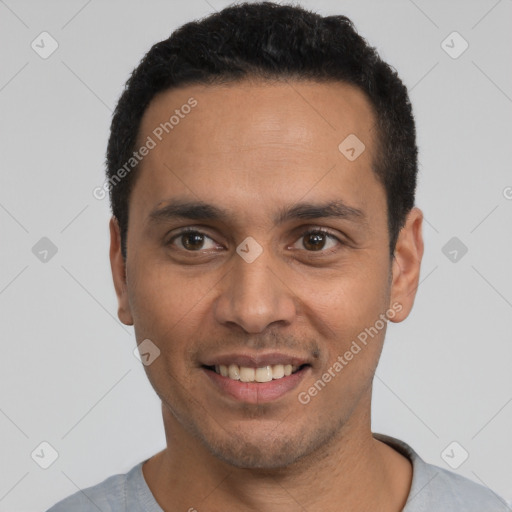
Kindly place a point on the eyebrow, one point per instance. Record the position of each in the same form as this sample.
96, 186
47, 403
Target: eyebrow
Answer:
198, 210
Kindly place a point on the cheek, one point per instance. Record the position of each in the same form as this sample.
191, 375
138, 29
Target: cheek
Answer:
166, 309
348, 301
163, 302
347, 314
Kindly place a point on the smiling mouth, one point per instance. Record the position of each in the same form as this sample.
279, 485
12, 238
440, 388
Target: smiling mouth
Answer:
262, 374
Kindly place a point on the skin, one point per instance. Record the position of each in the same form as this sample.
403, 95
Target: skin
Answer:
252, 148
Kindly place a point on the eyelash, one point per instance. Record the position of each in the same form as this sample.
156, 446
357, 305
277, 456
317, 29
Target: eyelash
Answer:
309, 231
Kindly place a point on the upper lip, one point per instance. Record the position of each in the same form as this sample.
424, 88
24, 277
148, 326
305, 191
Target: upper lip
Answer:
255, 360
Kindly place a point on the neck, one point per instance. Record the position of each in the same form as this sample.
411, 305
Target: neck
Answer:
354, 472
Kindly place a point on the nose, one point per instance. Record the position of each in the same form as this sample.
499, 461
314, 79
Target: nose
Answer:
255, 295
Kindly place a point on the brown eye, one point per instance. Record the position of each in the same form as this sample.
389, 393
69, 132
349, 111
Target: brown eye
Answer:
319, 240
192, 241
314, 241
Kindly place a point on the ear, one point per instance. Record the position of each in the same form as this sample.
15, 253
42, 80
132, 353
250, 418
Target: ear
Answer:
118, 266
406, 264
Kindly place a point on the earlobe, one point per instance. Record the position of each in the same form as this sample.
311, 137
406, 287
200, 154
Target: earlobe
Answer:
406, 264
118, 266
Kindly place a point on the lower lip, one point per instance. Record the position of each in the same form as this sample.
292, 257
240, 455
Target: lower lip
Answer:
257, 392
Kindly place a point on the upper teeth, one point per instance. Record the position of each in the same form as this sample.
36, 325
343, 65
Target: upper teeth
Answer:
263, 374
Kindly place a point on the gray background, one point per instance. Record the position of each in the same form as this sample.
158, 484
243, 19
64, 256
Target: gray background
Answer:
68, 373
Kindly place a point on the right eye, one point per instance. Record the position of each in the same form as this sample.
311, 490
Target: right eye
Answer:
191, 240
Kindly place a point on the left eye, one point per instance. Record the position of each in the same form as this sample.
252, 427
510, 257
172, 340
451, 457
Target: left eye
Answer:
315, 240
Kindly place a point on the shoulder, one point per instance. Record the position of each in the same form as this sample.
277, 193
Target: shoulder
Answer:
454, 492
109, 495
434, 488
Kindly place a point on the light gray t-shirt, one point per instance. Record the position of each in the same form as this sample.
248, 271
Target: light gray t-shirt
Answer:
433, 489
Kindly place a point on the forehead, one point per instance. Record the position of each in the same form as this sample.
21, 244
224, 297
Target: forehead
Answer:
309, 114
246, 140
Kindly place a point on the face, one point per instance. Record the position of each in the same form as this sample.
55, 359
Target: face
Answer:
255, 247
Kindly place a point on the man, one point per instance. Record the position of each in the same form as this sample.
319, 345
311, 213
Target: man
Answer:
262, 171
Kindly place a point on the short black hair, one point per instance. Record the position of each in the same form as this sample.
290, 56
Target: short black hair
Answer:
270, 41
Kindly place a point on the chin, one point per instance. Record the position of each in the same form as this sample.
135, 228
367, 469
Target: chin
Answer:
268, 451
